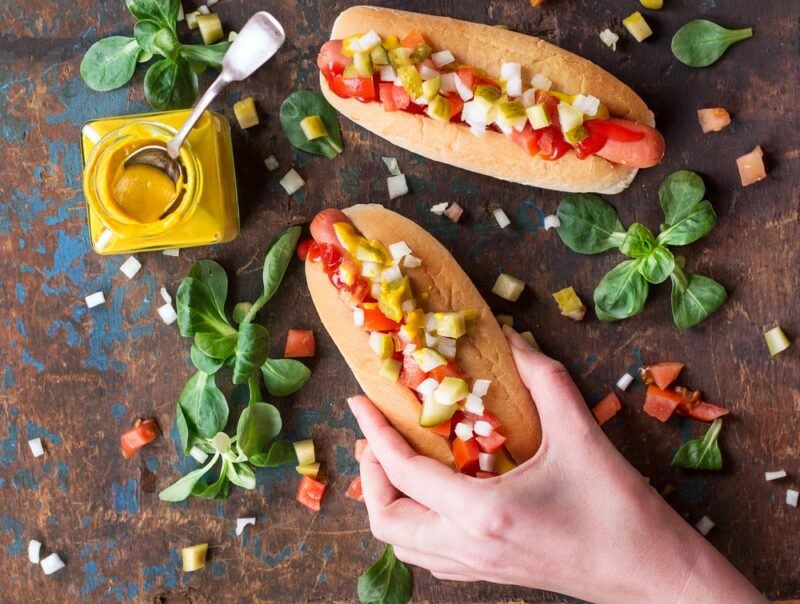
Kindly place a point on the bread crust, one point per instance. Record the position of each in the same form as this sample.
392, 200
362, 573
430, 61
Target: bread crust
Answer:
493, 154
483, 355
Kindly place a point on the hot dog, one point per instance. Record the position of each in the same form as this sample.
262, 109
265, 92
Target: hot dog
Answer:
420, 339
488, 100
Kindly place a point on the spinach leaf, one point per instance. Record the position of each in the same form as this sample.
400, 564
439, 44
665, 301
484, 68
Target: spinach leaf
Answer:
169, 85
219, 489
201, 300
276, 262
240, 311
258, 424
144, 32
657, 266
182, 488
679, 193
387, 581
589, 225
254, 392
283, 377
281, 452
215, 280
694, 298
204, 362
162, 12
701, 453
302, 104
700, 43
622, 292
210, 55
242, 475
688, 229
638, 242
252, 348
215, 345
188, 438
203, 405
109, 63
165, 43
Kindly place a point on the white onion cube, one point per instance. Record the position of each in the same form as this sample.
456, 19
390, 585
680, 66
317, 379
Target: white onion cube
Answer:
34, 549
463, 90
625, 381
508, 287
243, 522
528, 97
509, 71
95, 299
431, 324
427, 72
551, 222
446, 347
407, 305
480, 387
501, 218
463, 430
165, 295
704, 525
52, 563
130, 267
541, 82
439, 208
514, 87
412, 261
792, 497
442, 58
292, 181
388, 74
369, 40
427, 386
399, 249
409, 349
448, 83
487, 462
609, 38
431, 340
474, 404
271, 163
174, 252
586, 104
776, 475
391, 274
36, 447
203, 10
167, 314
397, 186
198, 454
483, 428
392, 166
358, 317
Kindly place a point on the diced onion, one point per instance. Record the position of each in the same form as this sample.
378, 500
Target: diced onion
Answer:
369, 40
776, 475
211, 2
391, 164
165, 295
191, 19
52, 564
483, 428
791, 497
427, 386
130, 267
454, 212
391, 274
271, 163
409, 349
528, 97
412, 261
442, 58
36, 447
448, 83
292, 181
232, 35
514, 87
203, 10
422, 101
407, 305
541, 82
464, 91
487, 462
388, 74
609, 38
173, 252
751, 167
375, 290
776, 340
34, 549
509, 71
586, 104
167, 314
439, 208
624, 381
508, 287
427, 72
243, 522
481, 387
397, 186
474, 404
446, 347
569, 117
103, 240
704, 525
713, 119
463, 430
358, 317
551, 222
501, 218
430, 340
399, 249
430, 322
198, 454
95, 299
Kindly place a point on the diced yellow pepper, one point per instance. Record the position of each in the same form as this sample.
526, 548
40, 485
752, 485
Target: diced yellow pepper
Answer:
570, 304
245, 112
637, 26
304, 449
652, 4
382, 344
194, 557
347, 45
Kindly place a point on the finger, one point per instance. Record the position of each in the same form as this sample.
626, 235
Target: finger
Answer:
435, 564
423, 479
452, 577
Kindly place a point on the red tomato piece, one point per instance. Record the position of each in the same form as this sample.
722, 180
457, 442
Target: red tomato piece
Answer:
449, 370
362, 89
411, 375
590, 145
442, 429
375, 320
456, 105
606, 408
413, 39
491, 443
361, 444
551, 143
612, 131
486, 417
465, 454
354, 490
314, 252
299, 343
393, 97
528, 139
704, 412
661, 374
143, 432
310, 492
467, 77
303, 247
660, 403
550, 104
330, 59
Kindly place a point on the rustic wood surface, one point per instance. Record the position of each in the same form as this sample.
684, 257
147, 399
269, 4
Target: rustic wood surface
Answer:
78, 377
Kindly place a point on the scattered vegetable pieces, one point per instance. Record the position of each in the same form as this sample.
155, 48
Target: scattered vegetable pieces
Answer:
508, 287
388, 580
302, 104
625, 381
713, 119
392, 165
52, 564
701, 453
570, 304
751, 167
36, 446
246, 113
130, 267
299, 343
652, 4
397, 186
292, 181
174, 252
637, 26
551, 222
660, 374
609, 38
310, 493
704, 525
142, 433
661, 404
607, 408
243, 522
775, 475
95, 299
210, 26
792, 497
354, 490
271, 163
454, 212
34, 549
194, 557
167, 313
501, 217
439, 208
777, 341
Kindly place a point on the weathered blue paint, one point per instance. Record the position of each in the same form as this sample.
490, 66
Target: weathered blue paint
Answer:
217, 569
73, 337
29, 360
92, 578
34, 431
117, 411
165, 575
8, 446
125, 496
151, 462
21, 294
25, 479
8, 378
124, 592
62, 475
14, 526
345, 462
277, 558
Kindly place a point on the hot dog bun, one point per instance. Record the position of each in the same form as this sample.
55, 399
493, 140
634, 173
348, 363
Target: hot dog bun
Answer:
493, 154
484, 354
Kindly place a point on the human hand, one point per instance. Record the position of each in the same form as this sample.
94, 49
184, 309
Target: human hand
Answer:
577, 518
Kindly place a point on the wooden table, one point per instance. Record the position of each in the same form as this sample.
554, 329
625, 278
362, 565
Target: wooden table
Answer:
78, 378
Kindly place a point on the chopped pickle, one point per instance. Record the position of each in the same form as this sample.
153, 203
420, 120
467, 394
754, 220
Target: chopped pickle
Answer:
348, 236
391, 42
379, 55
450, 324
400, 57
434, 414
576, 135
508, 287
486, 96
245, 112
637, 26
538, 116
194, 557
351, 72
652, 4
311, 469
450, 391
382, 344
210, 28
776, 340
421, 52
363, 62
411, 81
415, 318
392, 297
528, 337
512, 112
505, 320
348, 44
439, 109
570, 304
428, 359
390, 370
430, 88
304, 449
470, 320
569, 117
313, 127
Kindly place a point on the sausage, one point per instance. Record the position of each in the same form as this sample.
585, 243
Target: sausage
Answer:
322, 227
644, 153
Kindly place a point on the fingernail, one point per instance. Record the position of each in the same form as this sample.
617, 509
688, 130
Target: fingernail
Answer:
514, 339
350, 402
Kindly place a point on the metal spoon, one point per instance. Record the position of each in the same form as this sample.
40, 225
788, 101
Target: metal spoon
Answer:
258, 40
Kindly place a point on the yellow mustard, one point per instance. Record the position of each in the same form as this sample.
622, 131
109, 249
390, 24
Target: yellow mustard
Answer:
138, 207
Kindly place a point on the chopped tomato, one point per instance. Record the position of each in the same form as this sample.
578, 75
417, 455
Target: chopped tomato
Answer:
442, 429
330, 59
449, 370
361, 444
660, 403
303, 247
310, 492
354, 490
612, 131
465, 454
590, 145
704, 412
486, 417
299, 343
527, 139
411, 374
661, 374
467, 76
413, 39
456, 105
375, 320
491, 443
393, 97
362, 89
352, 294
482, 474
551, 143
607, 408
314, 252
143, 432
550, 104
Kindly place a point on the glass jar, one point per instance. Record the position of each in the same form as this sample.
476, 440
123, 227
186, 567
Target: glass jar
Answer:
205, 209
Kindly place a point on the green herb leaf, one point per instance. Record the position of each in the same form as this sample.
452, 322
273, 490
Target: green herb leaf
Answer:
700, 43
219, 489
688, 229
240, 311
204, 362
281, 452
589, 225
188, 438
679, 193
201, 300
694, 298
170, 85
302, 104
701, 453
210, 55
242, 475
638, 242
276, 262
162, 12
165, 43
204, 407
387, 581
216, 345
657, 266
283, 377
622, 292
109, 63
254, 391
144, 32
258, 424
252, 348
182, 488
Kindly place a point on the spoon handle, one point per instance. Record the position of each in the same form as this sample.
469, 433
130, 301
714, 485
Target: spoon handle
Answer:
174, 146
